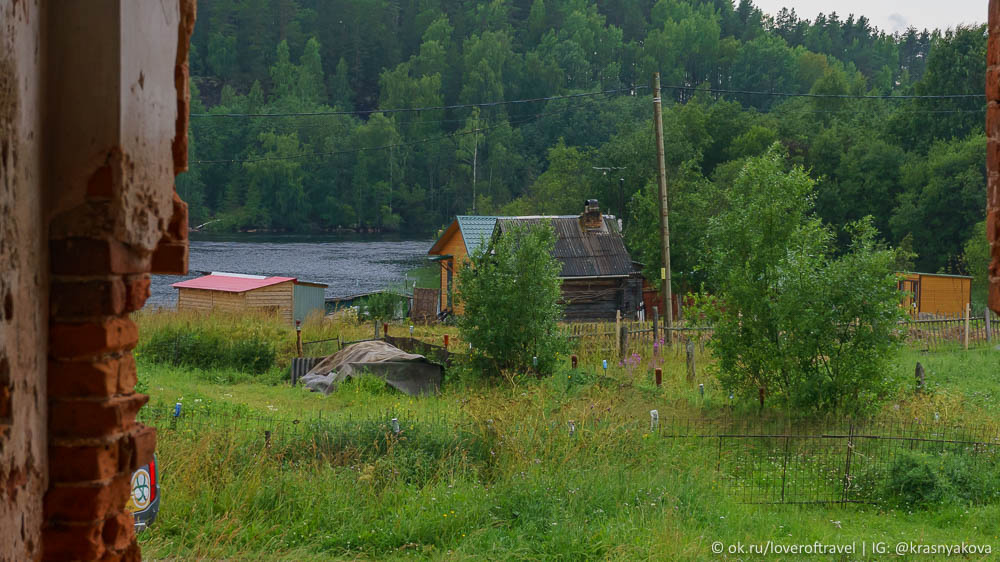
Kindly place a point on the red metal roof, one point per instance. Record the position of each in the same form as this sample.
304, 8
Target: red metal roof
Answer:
229, 284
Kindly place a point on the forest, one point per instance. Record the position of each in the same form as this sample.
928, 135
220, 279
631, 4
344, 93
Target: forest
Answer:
395, 115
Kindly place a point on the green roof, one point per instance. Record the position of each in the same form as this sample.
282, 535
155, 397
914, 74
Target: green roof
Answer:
476, 230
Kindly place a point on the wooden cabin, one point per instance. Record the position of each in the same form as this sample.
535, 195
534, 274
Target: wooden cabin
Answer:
233, 292
452, 250
935, 293
598, 275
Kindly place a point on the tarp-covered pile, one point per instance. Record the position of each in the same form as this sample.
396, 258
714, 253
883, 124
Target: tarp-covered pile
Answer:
406, 372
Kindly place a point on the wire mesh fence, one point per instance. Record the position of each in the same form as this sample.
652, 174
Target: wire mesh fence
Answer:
757, 461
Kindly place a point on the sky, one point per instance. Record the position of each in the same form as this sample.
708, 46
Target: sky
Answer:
889, 15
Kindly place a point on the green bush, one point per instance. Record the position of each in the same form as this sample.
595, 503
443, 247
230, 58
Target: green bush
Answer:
921, 480
196, 346
812, 325
511, 303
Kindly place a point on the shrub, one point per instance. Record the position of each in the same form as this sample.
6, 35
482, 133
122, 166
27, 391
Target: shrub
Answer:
920, 480
511, 302
813, 329
198, 346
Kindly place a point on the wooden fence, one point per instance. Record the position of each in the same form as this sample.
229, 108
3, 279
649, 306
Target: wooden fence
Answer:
938, 332
928, 333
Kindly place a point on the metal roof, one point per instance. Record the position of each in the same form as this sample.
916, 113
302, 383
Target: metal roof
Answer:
598, 253
230, 283
476, 230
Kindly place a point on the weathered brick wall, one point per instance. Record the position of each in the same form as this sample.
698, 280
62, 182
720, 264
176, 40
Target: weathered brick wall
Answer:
23, 285
993, 150
115, 217
93, 125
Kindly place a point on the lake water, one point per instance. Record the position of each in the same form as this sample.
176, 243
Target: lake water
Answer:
349, 264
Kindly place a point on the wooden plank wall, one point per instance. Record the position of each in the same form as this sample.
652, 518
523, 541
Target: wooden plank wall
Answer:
943, 295
202, 299
277, 297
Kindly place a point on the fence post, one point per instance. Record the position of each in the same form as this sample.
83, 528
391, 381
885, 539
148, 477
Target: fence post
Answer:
918, 374
968, 311
659, 376
989, 330
847, 467
298, 337
618, 331
623, 341
656, 327
690, 360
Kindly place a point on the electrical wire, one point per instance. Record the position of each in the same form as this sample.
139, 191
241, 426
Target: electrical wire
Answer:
384, 147
630, 90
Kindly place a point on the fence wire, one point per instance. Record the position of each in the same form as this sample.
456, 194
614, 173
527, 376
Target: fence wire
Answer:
758, 461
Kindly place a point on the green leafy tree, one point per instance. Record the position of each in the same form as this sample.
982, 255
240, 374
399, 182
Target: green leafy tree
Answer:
511, 295
814, 331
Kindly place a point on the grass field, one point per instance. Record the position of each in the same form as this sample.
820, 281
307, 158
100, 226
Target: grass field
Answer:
490, 470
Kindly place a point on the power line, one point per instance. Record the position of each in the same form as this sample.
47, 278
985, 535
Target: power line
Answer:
419, 109
364, 149
630, 90
832, 96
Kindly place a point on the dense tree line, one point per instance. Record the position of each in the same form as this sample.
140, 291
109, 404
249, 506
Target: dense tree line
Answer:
916, 165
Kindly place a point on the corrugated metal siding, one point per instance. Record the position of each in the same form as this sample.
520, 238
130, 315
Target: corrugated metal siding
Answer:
307, 299
590, 254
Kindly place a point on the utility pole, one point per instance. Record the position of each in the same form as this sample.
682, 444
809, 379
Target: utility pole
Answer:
668, 318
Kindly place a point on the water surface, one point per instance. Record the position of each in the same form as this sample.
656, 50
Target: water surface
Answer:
349, 264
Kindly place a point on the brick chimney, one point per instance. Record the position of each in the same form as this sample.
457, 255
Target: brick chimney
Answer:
591, 219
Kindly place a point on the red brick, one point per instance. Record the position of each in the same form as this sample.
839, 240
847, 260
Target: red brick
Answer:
73, 542
70, 340
993, 120
119, 532
126, 374
75, 464
177, 230
993, 83
993, 49
993, 19
130, 554
100, 183
170, 258
143, 441
88, 501
137, 291
94, 418
85, 378
993, 226
99, 297
5, 392
88, 256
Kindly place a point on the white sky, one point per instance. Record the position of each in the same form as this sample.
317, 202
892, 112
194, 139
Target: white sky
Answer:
889, 15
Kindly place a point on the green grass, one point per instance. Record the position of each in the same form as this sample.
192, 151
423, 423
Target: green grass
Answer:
428, 276
488, 469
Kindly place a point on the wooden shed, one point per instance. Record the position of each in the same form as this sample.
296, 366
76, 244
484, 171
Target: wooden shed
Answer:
935, 293
234, 292
598, 276
452, 250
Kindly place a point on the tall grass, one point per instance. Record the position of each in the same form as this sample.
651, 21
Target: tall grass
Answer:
489, 469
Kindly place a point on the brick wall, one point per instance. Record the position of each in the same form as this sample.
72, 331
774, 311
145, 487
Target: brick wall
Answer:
111, 217
993, 151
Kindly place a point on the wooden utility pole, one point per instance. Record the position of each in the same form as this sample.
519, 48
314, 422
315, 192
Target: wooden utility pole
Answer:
668, 317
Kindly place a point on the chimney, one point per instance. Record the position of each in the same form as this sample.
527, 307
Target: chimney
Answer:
591, 219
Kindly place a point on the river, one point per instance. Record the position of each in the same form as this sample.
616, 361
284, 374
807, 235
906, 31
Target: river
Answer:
349, 264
